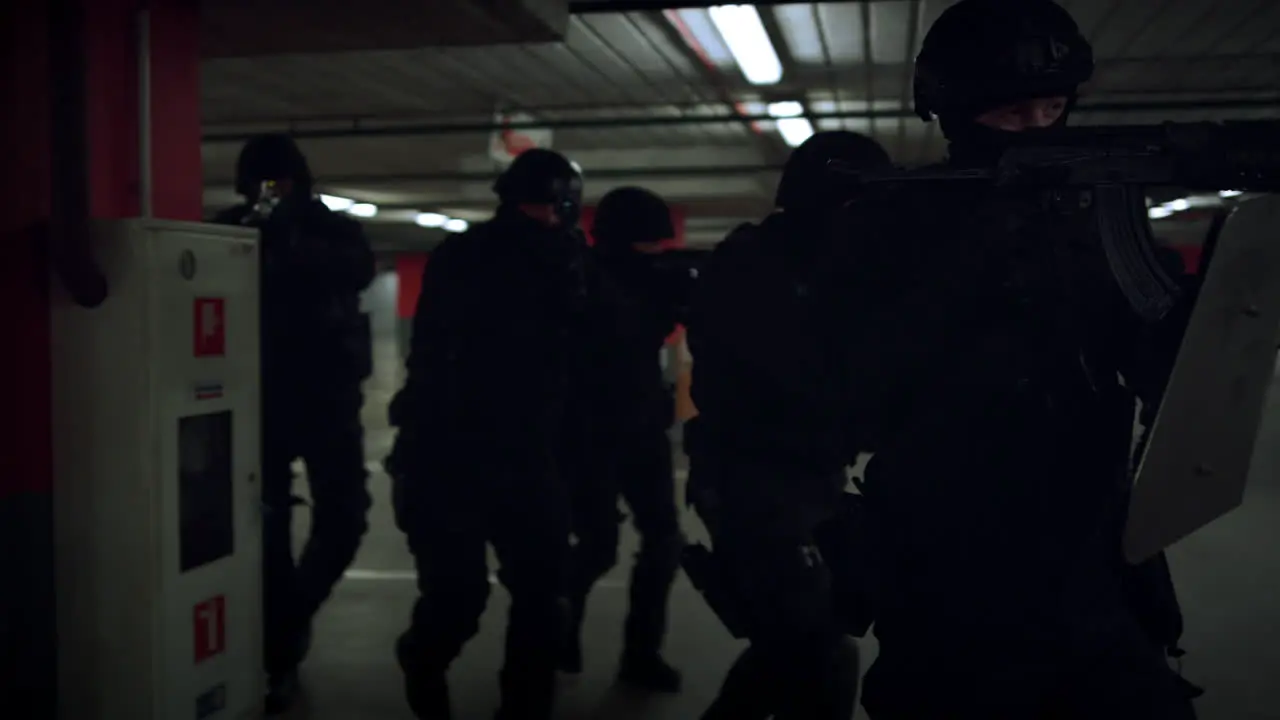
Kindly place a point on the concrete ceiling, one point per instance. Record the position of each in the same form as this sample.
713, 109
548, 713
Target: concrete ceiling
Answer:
652, 98
242, 28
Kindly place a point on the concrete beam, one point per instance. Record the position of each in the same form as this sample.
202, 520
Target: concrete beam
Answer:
216, 198
247, 28
623, 160
1126, 101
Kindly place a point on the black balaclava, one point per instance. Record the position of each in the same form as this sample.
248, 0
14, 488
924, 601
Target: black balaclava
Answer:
627, 216
982, 54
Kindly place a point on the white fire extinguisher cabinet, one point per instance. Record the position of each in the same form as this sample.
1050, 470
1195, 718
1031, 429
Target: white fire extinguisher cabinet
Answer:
156, 464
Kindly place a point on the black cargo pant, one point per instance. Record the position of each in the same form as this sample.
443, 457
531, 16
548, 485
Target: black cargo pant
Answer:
450, 510
1092, 651
320, 424
1112, 672
800, 665
638, 468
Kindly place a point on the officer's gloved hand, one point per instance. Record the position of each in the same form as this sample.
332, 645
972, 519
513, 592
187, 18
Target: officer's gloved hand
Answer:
288, 210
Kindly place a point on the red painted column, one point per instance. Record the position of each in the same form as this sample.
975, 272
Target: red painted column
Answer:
25, 145
27, 644
27, 631
409, 269
1190, 257
113, 106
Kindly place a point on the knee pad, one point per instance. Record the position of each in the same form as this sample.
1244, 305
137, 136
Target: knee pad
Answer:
461, 597
665, 550
596, 549
671, 543
349, 522
598, 560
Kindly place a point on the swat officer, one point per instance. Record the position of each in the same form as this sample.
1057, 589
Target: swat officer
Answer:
768, 448
480, 420
624, 448
315, 352
987, 351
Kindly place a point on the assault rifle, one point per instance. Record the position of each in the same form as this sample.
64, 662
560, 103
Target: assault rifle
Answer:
677, 271
1115, 165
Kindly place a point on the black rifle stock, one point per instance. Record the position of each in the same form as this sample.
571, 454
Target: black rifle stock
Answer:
678, 270
1117, 164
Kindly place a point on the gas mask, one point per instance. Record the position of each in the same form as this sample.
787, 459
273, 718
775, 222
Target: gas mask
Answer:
268, 199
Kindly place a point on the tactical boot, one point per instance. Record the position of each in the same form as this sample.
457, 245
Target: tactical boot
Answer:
427, 692
282, 692
648, 671
570, 660
284, 687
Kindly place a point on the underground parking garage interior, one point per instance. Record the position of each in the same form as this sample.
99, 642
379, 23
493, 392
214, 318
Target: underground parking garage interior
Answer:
407, 112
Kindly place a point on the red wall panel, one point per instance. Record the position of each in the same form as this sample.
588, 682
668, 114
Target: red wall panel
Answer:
409, 269
25, 444
1190, 256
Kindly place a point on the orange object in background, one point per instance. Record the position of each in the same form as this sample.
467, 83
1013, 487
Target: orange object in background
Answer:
1190, 257
683, 362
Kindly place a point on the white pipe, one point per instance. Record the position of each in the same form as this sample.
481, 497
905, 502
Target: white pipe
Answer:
144, 114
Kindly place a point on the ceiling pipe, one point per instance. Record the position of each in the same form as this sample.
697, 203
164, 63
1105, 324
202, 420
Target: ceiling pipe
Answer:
606, 123
590, 7
625, 173
146, 187
69, 234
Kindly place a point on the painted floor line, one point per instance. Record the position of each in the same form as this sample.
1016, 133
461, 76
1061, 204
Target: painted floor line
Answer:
361, 574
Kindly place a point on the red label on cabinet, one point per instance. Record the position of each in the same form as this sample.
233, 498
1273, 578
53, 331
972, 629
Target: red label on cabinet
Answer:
210, 623
210, 327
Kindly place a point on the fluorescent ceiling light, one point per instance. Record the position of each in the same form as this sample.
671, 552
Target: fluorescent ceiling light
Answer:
795, 131
1230, 193
697, 30
335, 203
789, 108
364, 210
431, 220
1178, 205
793, 128
1158, 212
456, 225
748, 42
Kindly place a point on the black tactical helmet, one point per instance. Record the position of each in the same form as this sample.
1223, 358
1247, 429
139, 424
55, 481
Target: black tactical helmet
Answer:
630, 215
806, 180
271, 157
542, 177
981, 54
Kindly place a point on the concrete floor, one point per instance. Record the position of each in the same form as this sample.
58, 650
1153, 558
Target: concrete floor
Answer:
1228, 574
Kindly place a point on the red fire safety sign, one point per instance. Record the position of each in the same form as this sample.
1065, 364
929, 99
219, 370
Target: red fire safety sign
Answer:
210, 327
210, 623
